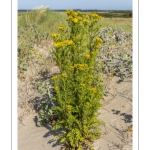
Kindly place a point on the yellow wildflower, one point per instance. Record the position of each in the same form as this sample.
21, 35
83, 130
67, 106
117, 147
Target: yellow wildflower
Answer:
70, 17
86, 21
58, 44
87, 103
69, 12
91, 76
87, 56
80, 65
92, 53
75, 14
85, 65
75, 65
69, 42
81, 68
99, 40
69, 107
75, 20
61, 27
64, 75
54, 35
71, 67
97, 46
95, 16
93, 89
54, 78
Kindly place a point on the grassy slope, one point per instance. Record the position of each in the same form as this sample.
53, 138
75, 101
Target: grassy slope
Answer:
47, 21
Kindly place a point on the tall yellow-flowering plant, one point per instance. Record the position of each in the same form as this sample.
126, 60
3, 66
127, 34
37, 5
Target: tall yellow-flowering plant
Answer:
78, 86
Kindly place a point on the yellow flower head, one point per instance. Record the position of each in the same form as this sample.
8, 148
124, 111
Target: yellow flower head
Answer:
54, 35
69, 42
75, 14
80, 65
61, 27
81, 68
69, 107
71, 67
92, 53
87, 103
64, 75
97, 47
99, 40
75, 20
91, 76
54, 78
95, 16
87, 56
69, 12
86, 21
93, 89
82, 85
59, 44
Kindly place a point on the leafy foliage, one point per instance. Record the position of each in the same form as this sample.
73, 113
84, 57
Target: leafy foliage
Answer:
78, 87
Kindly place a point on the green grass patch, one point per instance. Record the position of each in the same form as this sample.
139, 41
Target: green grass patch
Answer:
47, 20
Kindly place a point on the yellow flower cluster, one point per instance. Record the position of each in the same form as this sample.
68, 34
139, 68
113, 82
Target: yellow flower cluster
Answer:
74, 16
99, 40
69, 107
87, 103
64, 75
75, 20
72, 13
79, 66
86, 21
59, 44
69, 12
69, 42
87, 56
71, 67
95, 16
82, 85
97, 47
54, 78
61, 27
92, 53
93, 89
91, 76
54, 35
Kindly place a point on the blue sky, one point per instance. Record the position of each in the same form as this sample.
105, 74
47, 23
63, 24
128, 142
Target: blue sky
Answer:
77, 4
